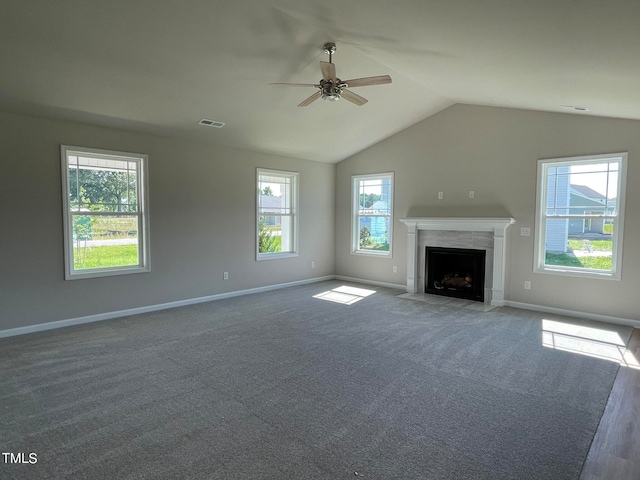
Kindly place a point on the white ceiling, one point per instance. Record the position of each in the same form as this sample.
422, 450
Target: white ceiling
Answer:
161, 66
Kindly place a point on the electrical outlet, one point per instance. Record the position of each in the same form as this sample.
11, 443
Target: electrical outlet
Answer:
527, 285
225, 276
440, 195
525, 231
313, 264
472, 194
395, 269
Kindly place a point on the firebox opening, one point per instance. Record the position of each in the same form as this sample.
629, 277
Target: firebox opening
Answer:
455, 272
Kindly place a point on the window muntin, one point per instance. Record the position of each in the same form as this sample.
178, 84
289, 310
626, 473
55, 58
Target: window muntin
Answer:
105, 212
277, 219
580, 215
372, 214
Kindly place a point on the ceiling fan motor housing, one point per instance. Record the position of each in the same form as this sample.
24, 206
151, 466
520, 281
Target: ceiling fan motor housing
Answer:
331, 91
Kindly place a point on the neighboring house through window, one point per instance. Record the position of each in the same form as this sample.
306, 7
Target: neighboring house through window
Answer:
277, 216
372, 219
105, 209
580, 214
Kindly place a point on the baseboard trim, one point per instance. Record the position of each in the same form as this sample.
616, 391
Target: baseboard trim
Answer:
11, 332
370, 282
572, 313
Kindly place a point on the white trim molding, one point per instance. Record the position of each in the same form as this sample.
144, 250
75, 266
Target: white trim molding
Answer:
287, 208
79, 214
359, 212
40, 327
558, 217
496, 225
629, 322
192, 301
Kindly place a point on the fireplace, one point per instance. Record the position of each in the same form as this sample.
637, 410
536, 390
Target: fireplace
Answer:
478, 233
455, 272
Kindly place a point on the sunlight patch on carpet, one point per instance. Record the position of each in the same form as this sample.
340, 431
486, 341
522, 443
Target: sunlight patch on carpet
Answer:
589, 341
345, 295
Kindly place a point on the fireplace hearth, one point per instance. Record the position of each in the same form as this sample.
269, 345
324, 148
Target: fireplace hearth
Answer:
455, 272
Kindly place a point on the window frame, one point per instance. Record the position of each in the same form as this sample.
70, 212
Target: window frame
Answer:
539, 265
295, 180
355, 214
142, 213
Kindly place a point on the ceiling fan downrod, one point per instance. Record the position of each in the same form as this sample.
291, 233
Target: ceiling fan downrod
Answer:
330, 48
330, 91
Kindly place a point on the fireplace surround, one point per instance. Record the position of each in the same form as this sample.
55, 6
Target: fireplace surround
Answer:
483, 233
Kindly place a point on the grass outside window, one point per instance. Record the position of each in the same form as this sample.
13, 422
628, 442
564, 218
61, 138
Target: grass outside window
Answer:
104, 256
598, 258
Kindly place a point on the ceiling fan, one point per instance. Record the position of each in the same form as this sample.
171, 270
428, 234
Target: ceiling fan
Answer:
332, 88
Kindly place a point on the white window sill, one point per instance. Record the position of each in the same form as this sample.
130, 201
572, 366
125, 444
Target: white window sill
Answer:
579, 273
276, 256
372, 253
110, 272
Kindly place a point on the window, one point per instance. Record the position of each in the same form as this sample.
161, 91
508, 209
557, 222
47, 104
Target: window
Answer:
372, 214
106, 223
277, 216
580, 213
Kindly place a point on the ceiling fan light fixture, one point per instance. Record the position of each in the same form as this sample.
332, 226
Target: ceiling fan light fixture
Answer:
330, 90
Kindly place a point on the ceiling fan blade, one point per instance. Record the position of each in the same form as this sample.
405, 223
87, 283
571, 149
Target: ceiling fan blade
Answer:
297, 84
364, 82
311, 99
328, 71
353, 97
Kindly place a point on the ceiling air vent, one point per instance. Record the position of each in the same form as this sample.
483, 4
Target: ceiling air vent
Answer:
574, 108
211, 123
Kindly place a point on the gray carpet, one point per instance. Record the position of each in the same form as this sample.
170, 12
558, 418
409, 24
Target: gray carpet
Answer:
281, 385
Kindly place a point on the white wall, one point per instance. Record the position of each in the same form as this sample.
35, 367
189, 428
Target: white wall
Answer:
202, 205
202, 210
494, 151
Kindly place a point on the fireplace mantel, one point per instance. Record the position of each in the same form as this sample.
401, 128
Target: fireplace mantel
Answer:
496, 225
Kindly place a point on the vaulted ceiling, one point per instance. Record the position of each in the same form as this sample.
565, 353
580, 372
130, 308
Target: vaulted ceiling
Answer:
161, 66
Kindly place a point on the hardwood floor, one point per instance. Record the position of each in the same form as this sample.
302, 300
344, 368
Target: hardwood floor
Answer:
615, 451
